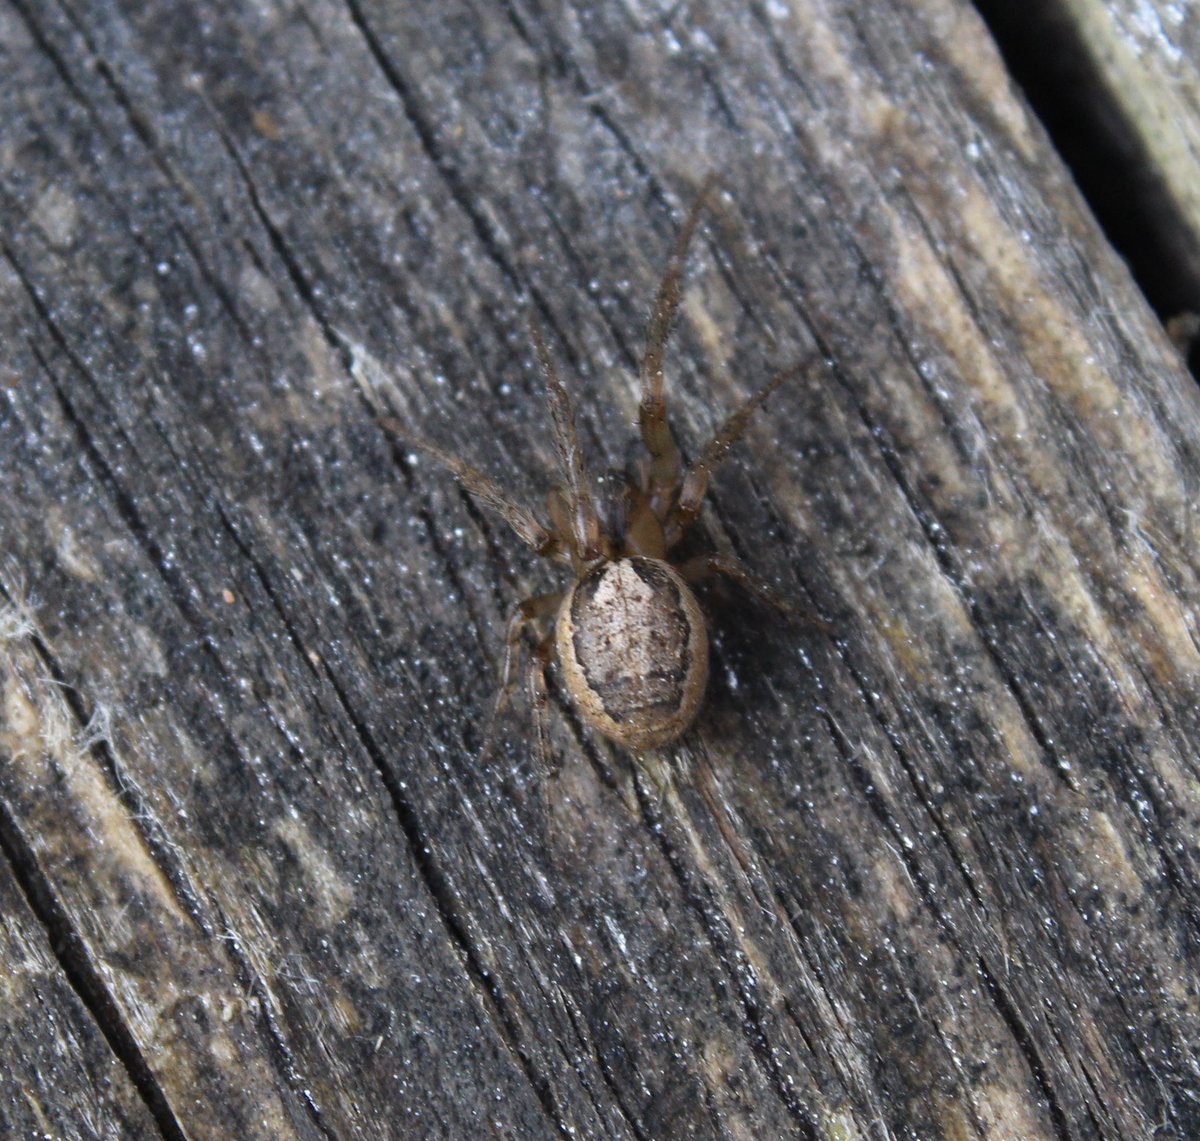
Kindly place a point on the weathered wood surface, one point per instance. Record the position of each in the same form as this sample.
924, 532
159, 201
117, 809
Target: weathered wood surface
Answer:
1146, 57
1118, 83
927, 868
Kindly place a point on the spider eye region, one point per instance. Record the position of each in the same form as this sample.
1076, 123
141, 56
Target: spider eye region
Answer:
633, 648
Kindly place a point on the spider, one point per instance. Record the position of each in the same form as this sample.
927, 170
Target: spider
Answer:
629, 637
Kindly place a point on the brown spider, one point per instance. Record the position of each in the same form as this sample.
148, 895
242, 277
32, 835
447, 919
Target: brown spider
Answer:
629, 636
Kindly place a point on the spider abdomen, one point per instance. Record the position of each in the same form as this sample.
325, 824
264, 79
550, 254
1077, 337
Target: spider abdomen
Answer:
633, 649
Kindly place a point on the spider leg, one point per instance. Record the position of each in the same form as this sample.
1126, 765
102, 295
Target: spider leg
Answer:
585, 526
652, 412
526, 611
535, 684
558, 507
695, 479
528, 529
642, 530
705, 566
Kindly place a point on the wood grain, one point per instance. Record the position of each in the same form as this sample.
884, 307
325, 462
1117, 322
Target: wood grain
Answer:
926, 867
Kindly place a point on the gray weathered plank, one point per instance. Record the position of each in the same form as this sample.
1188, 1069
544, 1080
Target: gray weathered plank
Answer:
62, 1077
927, 867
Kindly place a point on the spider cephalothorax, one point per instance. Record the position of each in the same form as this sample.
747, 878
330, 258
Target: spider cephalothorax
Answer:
629, 636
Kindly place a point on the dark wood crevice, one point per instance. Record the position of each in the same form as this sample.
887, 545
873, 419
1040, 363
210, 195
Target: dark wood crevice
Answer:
1092, 133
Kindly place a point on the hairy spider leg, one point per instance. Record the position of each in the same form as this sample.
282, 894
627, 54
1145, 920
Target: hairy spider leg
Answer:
695, 481
527, 528
539, 699
527, 611
664, 466
562, 522
642, 530
585, 525
705, 566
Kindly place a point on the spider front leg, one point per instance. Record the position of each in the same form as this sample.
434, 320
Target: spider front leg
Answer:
663, 475
584, 526
527, 528
695, 480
